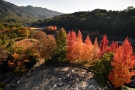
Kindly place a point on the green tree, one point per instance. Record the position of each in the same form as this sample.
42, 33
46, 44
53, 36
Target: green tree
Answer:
2, 85
1, 27
103, 68
61, 45
24, 32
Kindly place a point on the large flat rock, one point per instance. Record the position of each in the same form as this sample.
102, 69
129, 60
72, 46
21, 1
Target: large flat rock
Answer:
83, 79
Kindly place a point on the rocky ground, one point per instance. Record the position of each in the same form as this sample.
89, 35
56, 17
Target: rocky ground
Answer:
47, 78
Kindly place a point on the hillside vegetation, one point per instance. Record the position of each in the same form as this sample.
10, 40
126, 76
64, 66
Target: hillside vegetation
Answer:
114, 23
13, 13
21, 48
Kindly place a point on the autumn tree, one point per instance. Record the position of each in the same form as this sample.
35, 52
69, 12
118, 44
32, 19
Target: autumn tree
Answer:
77, 51
96, 50
87, 50
3, 53
45, 47
113, 47
24, 32
123, 64
104, 45
71, 39
40, 35
16, 62
51, 28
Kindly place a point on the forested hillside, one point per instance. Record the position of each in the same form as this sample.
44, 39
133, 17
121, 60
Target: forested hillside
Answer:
13, 13
115, 23
40, 12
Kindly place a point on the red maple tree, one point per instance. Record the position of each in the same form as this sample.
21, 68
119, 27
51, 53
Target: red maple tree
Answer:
104, 45
78, 47
96, 50
123, 63
113, 47
71, 38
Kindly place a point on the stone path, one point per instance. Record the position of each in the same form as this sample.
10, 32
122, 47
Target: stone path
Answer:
2, 76
8, 85
83, 80
8, 80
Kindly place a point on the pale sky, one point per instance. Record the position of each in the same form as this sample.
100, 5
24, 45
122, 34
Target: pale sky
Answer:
70, 6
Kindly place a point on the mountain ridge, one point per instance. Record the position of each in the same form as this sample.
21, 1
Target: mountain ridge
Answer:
40, 10
10, 12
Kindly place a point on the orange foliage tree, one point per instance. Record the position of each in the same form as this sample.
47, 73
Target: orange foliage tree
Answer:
90, 51
44, 47
87, 49
78, 49
104, 45
51, 28
123, 63
74, 46
96, 50
16, 62
113, 47
71, 38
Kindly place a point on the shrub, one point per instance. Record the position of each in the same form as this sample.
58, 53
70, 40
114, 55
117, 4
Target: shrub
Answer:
2, 85
103, 67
